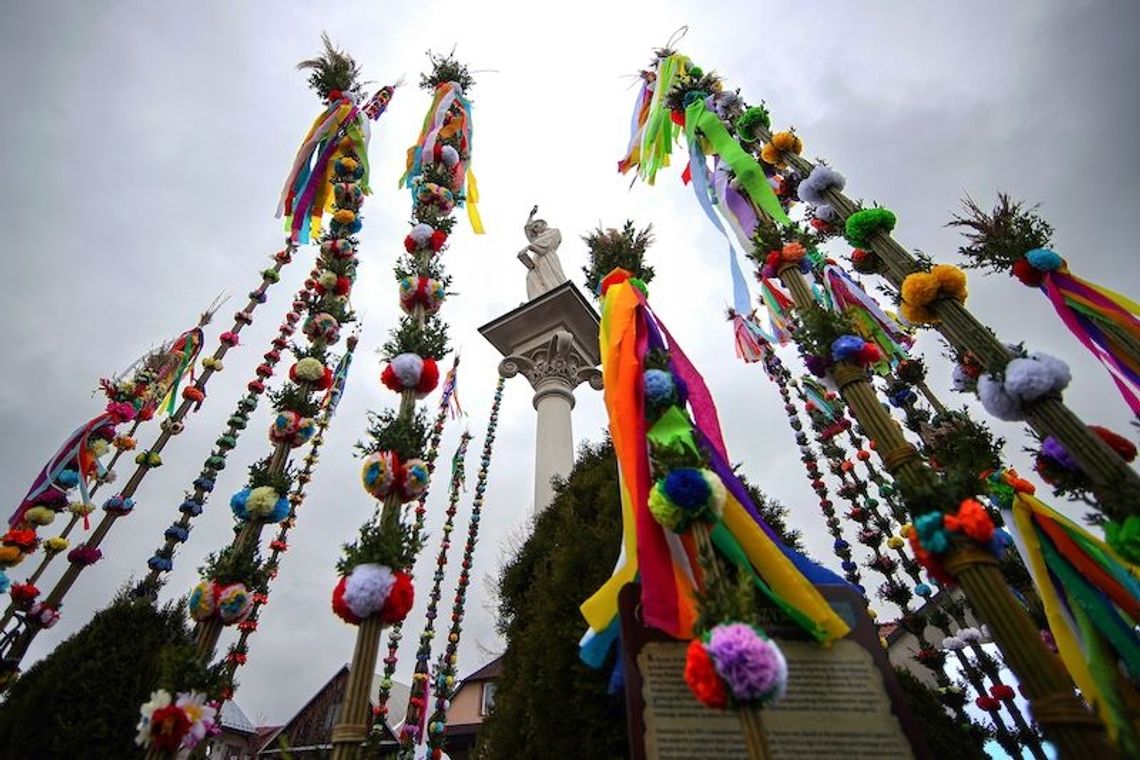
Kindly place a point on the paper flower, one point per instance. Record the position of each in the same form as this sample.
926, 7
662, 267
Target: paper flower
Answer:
752, 666
411, 372
702, 678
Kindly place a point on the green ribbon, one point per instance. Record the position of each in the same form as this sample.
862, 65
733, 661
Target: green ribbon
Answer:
744, 166
727, 544
673, 430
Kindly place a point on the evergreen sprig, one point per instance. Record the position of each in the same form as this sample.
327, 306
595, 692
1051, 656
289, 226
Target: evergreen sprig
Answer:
392, 546
235, 564
427, 341
292, 398
332, 70
446, 68
259, 475
388, 431
613, 248
819, 328
997, 239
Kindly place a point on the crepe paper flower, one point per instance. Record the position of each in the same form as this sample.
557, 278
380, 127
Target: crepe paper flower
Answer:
866, 223
84, 555
411, 372
752, 666
782, 146
702, 678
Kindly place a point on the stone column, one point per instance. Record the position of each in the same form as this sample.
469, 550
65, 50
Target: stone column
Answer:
554, 369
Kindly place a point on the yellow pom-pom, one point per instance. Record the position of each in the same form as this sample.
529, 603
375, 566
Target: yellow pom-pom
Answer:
327, 277
349, 164
895, 542
917, 315
98, 447
905, 529
39, 516
919, 289
345, 216
951, 280
81, 508
873, 613
56, 544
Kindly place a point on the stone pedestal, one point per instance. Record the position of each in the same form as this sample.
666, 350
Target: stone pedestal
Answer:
553, 342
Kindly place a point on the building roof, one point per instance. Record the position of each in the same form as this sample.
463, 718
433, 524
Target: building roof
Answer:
233, 718
491, 670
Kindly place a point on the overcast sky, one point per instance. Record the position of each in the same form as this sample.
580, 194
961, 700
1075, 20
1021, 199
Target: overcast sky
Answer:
145, 147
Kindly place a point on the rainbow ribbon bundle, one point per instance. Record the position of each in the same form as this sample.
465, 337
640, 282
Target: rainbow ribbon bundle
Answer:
75, 454
178, 363
1091, 597
664, 561
1099, 318
449, 115
869, 320
779, 307
307, 191
752, 343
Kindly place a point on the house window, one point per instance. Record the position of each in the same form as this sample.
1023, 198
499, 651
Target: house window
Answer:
488, 702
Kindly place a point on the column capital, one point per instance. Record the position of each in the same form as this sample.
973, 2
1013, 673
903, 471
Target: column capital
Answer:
555, 366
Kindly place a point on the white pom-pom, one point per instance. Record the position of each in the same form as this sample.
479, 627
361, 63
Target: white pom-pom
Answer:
996, 401
959, 380
1058, 370
1028, 379
820, 180
953, 643
449, 155
421, 233
407, 368
367, 588
825, 213
970, 634
986, 631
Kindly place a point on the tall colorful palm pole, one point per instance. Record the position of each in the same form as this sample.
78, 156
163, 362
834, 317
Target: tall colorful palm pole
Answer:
121, 503
938, 298
144, 386
375, 589
446, 668
162, 561
237, 653
953, 532
447, 398
417, 698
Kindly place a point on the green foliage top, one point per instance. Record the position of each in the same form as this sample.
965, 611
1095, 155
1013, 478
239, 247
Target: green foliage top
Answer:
389, 545
613, 248
332, 70
430, 340
997, 239
446, 68
388, 431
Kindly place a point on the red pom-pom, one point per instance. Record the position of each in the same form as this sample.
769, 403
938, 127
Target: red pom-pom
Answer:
987, 703
390, 381
869, 354
437, 239
1002, 691
773, 259
973, 520
400, 598
193, 393
702, 678
340, 608
429, 377
343, 286
1121, 445
23, 593
325, 382
929, 562
1027, 273
410, 244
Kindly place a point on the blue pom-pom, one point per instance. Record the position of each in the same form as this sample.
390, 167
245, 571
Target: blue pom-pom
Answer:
849, 566
5, 582
659, 388
204, 484
840, 544
280, 511
846, 346
67, 478
160, 564
237, 504
190, 507
687, 488
177, 533
1045, 260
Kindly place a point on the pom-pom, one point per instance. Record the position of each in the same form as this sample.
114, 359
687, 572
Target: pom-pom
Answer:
340, 608
919, 289
702, 678
403, 372
379, 473
1030, 378
437, 240
23, 594
846, 347
953, 643
308, 369
752, 666
687, 488
821, 179
1002, 691
201, 603
660, 391
421, 233
865, 224
1044, 260
322, 327
951, 280
746, 123
366, 589
1027, 274
783, 144
55, 545
400, 599
414, 480
39, 516
973, 520
233, 603
996, 401
84, 555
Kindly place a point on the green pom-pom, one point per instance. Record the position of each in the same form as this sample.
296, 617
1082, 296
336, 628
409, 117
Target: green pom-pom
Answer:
665, 512
752, 117
862, 225
696, 72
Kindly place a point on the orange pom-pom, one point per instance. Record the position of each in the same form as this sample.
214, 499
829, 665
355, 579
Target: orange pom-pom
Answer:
919, 289
917, 315
792, 252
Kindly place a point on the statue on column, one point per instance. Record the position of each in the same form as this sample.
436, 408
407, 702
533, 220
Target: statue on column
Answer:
540, 257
